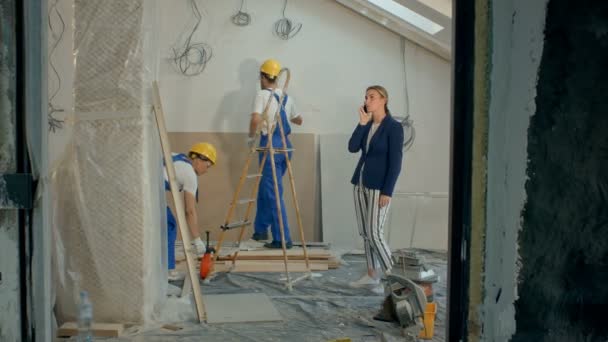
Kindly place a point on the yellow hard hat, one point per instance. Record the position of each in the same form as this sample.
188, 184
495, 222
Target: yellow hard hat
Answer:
206, 150
271, 67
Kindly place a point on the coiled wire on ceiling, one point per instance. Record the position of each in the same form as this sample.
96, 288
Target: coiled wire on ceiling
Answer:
284, 28
192, 58
241, 18
54, 123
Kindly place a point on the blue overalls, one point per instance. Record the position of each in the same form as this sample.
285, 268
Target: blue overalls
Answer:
266, 214
171, 222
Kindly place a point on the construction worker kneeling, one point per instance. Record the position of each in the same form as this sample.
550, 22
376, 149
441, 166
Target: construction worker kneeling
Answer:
188, 168
266, 214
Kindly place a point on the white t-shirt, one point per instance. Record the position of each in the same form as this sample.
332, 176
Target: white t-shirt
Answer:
372, 131
260, 103
185, 176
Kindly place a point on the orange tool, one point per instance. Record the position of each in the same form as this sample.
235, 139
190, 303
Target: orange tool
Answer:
207, 261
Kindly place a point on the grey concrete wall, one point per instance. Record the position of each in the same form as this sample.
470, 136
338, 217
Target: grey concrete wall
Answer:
563, 244
516, 45
9, 236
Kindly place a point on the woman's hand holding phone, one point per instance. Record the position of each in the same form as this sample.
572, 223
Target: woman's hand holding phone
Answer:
364, 117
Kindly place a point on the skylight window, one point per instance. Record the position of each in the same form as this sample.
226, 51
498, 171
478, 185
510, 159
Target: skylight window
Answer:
408, 15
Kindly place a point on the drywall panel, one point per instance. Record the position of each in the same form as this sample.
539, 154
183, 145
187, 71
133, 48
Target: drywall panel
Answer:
337, 166
217, 187
240, 308
418, 221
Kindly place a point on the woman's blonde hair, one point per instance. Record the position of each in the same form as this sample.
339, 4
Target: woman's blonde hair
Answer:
382, 91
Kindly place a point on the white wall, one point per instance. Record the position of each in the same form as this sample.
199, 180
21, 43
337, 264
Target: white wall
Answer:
336, 55
333, 58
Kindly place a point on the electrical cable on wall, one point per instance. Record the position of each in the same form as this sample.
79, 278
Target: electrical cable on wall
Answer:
409, 132
241, 18
192, 58
54, 123
284, 28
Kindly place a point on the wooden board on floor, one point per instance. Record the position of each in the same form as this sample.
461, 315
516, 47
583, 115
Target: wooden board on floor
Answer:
98, 329
267, 266
240, 308
292, 254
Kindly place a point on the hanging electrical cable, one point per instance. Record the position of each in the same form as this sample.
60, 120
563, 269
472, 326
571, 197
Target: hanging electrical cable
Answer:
241, 18
54, 123
409, 132
284, 28
192, 58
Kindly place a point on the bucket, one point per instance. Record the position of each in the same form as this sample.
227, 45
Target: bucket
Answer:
429, 321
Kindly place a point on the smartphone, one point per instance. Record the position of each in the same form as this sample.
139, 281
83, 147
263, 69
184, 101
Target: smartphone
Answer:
365, 108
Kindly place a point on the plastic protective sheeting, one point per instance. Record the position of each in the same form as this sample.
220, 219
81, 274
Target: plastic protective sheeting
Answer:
107, 190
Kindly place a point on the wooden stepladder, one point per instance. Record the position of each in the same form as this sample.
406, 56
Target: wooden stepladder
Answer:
178, 201
268, 152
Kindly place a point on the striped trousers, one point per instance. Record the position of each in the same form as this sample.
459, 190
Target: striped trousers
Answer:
371, 219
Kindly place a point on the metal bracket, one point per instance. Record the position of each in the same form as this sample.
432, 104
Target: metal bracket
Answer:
16, 191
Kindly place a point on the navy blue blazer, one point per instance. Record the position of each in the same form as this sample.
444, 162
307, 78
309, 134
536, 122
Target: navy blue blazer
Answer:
383, 160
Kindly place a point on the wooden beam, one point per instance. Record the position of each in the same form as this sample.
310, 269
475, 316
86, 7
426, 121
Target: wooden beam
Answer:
97, 329
178, 203
268, 266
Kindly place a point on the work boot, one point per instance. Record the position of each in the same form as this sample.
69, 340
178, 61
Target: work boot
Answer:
277, 244
260, 236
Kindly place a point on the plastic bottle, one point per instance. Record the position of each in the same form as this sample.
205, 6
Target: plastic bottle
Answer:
85, 318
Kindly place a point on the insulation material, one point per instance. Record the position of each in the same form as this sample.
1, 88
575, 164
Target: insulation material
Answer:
107, 203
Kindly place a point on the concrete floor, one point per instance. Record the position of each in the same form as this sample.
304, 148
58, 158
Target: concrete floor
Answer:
320, 309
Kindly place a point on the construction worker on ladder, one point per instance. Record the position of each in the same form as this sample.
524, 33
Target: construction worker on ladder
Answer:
266, 214
188, 168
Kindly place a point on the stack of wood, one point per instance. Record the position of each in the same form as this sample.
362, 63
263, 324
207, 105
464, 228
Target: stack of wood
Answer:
271, 260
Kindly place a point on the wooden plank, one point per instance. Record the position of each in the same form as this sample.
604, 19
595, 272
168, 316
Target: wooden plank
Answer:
311, 244
268, 266
274, 254
97, 329
178, 202
271, 257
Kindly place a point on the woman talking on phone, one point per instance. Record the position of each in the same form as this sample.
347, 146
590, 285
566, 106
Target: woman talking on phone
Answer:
379, 137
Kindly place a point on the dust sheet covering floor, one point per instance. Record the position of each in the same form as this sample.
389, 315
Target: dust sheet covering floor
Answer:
320, 309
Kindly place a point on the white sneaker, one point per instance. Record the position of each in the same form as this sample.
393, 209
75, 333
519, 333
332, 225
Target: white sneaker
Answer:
175, 275
378, 289
366, 280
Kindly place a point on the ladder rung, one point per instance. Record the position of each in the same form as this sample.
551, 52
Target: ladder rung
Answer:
245, 200
236, 224
254, 175
276, 150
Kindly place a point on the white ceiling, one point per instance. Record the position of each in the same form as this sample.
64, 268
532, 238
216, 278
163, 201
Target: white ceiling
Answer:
439, 12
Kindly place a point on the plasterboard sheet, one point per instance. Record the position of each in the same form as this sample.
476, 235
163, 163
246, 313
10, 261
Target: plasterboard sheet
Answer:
338, 209
235, 308
419, 222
